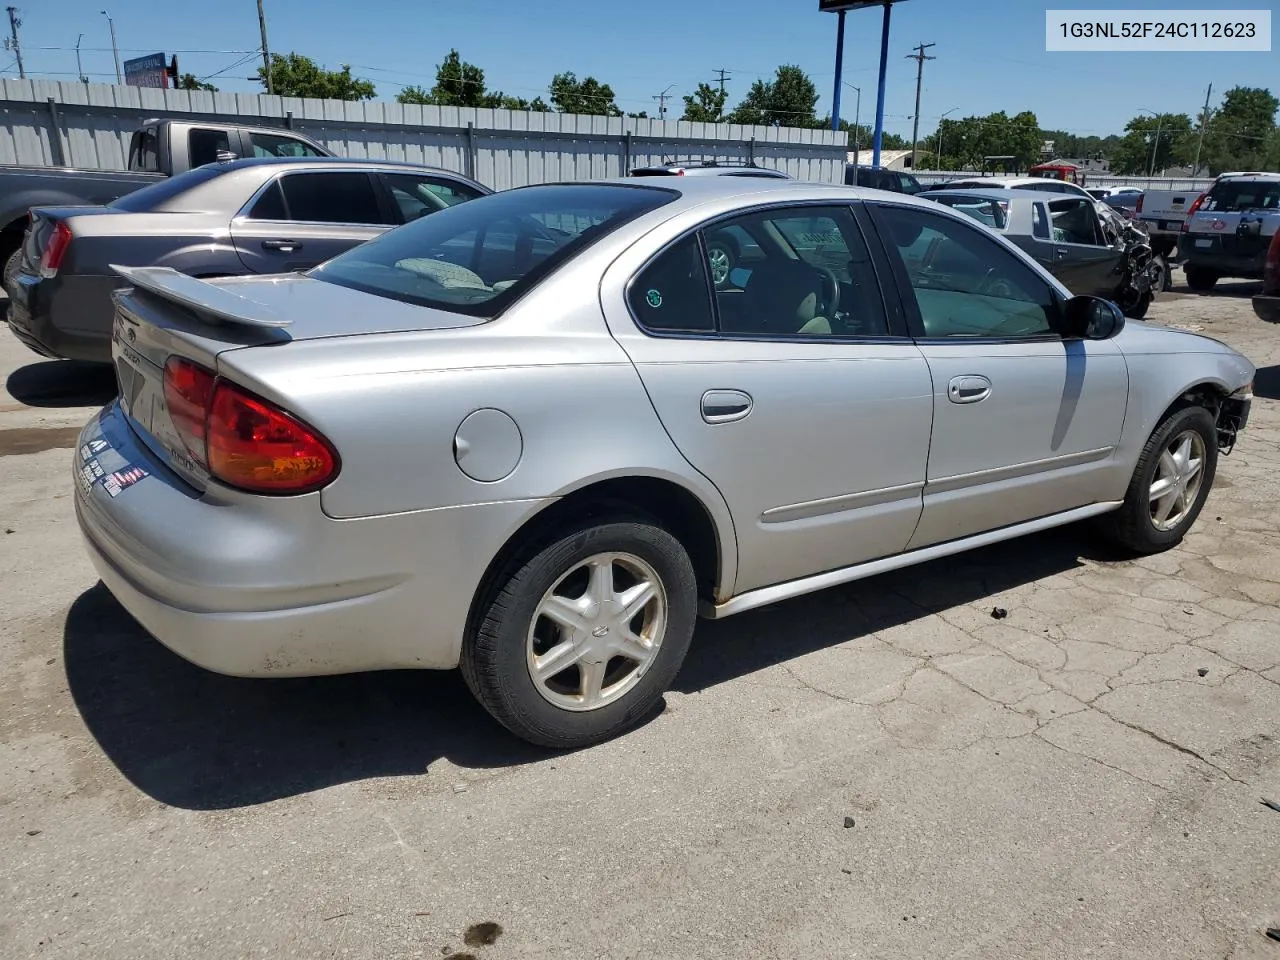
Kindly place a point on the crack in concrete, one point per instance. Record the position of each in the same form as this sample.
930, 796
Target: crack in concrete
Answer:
1086, 756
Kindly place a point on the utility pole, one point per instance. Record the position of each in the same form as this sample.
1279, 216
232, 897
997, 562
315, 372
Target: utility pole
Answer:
14, 24
115, 50
266, 54
662, 99
919, 57
723, 74
80, 69
1204, 122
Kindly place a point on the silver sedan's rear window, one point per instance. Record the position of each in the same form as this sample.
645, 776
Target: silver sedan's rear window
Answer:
479, 256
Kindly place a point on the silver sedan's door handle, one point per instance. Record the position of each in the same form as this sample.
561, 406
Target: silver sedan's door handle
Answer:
284, 246
968, 389
723, 406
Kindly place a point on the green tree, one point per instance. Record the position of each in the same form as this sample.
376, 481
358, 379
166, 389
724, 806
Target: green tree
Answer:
188, 81
458, 83
1162, 142
587, 96
504, 102
414, 94
705, 105
788, 100
967, 141
1241, 134
293, 75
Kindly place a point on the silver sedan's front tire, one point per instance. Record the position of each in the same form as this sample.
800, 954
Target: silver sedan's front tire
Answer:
1170, 483
579, 639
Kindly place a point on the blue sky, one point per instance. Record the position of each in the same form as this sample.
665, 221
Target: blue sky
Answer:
990, 53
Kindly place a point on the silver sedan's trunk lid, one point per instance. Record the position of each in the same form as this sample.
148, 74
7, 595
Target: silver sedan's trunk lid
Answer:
167, 314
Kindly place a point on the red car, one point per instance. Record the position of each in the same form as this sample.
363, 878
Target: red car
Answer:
1267, 304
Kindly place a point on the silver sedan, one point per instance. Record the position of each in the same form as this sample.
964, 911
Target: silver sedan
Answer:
258, 215
529, 435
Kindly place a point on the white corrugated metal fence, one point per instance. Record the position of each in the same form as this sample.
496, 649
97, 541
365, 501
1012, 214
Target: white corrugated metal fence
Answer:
88, 126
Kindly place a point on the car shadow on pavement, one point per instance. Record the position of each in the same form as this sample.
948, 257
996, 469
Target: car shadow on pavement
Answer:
203, 741
726, 649
1266, 382
1240, 289
63, 383
199, 740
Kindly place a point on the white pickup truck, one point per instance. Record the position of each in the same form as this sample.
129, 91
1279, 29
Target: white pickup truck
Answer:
1229, 229
1163, 213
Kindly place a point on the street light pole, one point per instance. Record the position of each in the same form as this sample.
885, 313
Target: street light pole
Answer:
80, 69
941, 120
857, 116
115, 50
1155, 146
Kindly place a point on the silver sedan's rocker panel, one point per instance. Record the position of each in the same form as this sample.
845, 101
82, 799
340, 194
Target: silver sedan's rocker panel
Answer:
765, 596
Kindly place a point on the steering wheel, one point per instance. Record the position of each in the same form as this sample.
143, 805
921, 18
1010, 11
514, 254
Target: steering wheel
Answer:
993, 286
831, 301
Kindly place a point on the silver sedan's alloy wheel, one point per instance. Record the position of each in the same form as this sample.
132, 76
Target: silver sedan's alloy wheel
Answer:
597, 631
1178, 477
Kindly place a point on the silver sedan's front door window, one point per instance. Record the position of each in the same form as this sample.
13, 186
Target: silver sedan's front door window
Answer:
1024, 424
784, 385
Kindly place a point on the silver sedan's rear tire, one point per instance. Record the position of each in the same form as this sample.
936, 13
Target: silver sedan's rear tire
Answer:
578, 641
1170, 483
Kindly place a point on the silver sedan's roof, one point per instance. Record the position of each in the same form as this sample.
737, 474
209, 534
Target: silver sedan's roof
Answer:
703, 189
321, 163
992, 193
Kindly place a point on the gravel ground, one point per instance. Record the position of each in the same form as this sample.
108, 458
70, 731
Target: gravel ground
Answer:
883, 770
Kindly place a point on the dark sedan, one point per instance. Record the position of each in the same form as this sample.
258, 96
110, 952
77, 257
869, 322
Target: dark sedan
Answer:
253, 216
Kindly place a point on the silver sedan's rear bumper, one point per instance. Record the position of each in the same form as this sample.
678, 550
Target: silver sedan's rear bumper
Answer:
271, 586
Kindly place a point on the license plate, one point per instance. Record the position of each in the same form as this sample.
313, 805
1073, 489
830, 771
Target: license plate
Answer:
1204, 244
1168, 225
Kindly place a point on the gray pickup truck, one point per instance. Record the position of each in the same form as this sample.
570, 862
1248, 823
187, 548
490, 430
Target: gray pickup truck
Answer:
158, 149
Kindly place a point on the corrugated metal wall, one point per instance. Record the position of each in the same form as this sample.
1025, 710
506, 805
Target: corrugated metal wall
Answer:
88, 126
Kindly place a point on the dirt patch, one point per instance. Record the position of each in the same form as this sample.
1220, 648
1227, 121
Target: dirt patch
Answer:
19, 440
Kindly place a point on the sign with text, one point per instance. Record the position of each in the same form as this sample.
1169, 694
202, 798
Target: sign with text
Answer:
835, 6
148, 71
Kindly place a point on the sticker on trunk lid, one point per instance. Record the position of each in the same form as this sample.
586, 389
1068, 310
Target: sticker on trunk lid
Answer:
91, 449
121, 480
88, 474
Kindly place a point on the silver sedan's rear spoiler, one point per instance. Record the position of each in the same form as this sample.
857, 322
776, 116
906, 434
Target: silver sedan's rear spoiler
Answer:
213, 302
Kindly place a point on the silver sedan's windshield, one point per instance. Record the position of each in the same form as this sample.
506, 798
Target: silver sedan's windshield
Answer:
477, 257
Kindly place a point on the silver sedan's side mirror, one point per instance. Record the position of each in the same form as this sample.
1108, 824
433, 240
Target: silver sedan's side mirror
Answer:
1091, 318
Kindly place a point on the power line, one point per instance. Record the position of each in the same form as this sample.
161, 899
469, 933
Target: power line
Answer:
137, 50
723, 74
243, 60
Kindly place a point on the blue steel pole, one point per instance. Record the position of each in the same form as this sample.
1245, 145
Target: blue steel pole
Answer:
884, 66
835, 97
